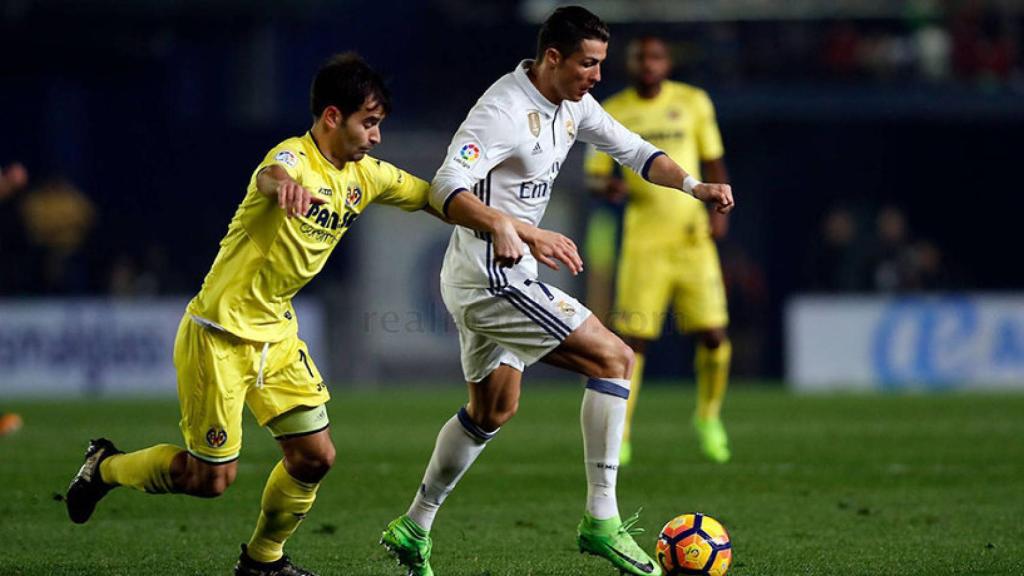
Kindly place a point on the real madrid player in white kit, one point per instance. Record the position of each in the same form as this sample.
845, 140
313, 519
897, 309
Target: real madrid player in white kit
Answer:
503, 161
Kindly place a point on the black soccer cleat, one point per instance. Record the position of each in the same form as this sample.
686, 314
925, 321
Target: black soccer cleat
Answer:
87, 487
282, 567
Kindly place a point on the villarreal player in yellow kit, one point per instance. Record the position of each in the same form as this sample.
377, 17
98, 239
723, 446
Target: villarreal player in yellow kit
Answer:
668, 256
238, 342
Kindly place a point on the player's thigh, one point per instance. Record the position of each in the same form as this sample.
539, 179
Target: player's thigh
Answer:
643, 290
516, 325
212, 369
291, 383
700, 300
595, 351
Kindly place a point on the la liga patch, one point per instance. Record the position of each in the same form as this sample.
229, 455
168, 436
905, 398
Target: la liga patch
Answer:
469, 153
287, 158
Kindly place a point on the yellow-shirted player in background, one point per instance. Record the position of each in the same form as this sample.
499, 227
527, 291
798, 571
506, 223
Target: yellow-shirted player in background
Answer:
238, 341
668, 255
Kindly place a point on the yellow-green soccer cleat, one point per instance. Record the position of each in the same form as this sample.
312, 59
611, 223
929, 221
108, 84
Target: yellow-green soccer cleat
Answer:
410, 544
714, 442
612, 539
625, 453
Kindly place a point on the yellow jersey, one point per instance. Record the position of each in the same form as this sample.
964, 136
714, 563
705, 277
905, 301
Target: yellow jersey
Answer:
266, 258
680, 121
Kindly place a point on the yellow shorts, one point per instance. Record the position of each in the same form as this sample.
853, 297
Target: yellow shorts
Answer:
218, 373
690, 277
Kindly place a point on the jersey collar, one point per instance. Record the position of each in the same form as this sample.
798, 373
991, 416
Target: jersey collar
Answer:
320, 155
538, 99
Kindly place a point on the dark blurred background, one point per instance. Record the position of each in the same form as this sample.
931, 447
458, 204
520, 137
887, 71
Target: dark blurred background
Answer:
872, 147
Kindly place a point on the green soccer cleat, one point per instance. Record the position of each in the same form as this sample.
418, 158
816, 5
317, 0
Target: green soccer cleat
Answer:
612, 539
625, 453
714, 442
410, 544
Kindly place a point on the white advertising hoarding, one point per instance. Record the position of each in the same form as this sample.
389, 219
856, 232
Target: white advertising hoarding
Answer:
893, 343
99, 346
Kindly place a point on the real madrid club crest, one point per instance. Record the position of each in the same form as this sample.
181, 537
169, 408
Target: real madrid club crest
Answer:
533, 117
570, 128
352, 196
566, 308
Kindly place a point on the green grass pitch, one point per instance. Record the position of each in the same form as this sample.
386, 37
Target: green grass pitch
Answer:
819, 485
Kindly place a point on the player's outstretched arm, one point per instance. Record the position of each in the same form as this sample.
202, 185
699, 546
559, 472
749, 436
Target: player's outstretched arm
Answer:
509, 234
274, 181
665, 172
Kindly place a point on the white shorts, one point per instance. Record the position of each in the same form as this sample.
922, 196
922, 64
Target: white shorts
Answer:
515, 325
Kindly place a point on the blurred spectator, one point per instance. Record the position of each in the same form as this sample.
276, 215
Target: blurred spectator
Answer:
747, 289
835, 264
131, 277
928, 272
12, 179
933, 47
58, 219
891, 262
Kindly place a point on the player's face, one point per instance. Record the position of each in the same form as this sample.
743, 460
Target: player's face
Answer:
648, 62
356, 134
578, 73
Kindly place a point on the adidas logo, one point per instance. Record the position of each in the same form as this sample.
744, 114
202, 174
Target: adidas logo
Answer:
537, 149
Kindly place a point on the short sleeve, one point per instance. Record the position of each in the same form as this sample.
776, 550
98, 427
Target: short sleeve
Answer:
483, 141
597, 163
709, 138
399, 188
287, 155
598, 128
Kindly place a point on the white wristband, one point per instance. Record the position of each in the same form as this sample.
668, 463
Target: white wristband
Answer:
689, 183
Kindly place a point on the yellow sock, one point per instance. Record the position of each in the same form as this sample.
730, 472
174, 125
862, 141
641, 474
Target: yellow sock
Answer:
712, 367
148, 470
285, 503
634, 393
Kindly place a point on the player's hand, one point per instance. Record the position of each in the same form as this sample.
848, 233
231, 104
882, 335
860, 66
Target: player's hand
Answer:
550, 248
718, 194
294, 199
508, 248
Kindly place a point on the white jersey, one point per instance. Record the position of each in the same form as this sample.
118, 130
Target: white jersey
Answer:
508, 152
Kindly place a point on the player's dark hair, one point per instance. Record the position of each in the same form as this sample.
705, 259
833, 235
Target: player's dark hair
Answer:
567, 28
346, 81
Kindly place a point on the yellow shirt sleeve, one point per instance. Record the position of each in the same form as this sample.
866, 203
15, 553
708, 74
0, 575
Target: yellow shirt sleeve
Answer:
288, 155
399, 188
709, 139
597, 163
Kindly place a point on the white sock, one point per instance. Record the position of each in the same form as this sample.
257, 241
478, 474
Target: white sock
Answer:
602, 417
459, 443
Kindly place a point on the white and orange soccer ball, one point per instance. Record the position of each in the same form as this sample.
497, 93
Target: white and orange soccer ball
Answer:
694, 544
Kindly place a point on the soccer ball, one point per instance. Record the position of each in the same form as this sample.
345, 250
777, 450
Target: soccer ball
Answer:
694, 544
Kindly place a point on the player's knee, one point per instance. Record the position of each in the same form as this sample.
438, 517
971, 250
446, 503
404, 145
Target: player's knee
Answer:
498, 416
713, 338
616, 361
311, 465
